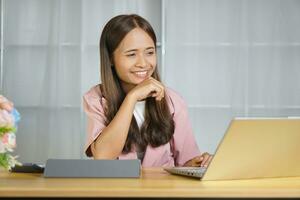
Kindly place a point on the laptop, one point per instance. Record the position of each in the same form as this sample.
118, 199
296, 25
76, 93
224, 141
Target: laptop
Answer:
253, 148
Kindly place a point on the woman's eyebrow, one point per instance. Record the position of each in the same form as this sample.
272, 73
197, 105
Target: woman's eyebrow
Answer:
129, 50
149, 48
133, 50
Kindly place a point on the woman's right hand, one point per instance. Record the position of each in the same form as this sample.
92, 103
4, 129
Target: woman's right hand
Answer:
148, 88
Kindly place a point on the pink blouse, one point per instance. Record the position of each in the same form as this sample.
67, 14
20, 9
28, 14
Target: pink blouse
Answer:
182, 149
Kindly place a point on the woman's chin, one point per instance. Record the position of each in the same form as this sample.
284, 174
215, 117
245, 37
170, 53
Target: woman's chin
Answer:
138, 80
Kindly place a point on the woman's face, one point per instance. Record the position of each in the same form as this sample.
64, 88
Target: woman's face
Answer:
135, 58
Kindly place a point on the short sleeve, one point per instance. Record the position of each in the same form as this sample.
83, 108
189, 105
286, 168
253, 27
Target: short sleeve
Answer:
93, 107
184, 144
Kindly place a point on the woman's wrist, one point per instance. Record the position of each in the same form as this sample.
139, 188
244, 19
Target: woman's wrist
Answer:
131, 97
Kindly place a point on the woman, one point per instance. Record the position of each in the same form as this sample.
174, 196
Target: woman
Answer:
132, 114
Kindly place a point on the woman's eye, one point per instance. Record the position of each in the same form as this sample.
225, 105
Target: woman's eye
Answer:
130, 55
150, 53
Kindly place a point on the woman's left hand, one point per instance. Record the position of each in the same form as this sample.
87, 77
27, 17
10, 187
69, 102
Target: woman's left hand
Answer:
199, 161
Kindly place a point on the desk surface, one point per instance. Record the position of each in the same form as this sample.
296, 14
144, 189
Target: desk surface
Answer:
154, 182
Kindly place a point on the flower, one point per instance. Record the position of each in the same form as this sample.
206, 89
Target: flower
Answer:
6, 119
9, 117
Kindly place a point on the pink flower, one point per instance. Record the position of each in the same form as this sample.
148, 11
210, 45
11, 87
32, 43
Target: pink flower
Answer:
6, 104
9, 141
6, 119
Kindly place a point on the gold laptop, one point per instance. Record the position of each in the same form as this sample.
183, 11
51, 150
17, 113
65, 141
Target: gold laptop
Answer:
253, 148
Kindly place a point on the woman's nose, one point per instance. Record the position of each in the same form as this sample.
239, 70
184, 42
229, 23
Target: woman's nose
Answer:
141, 61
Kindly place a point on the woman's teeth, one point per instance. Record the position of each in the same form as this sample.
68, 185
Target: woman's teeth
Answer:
141, 74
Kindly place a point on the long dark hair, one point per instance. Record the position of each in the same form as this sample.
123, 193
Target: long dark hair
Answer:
158, 127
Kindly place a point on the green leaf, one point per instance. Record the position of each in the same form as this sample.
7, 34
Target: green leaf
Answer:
6, 129
4, 160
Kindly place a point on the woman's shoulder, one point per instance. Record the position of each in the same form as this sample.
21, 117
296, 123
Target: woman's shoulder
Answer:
94, 92
93, 100
94, 96
175, 100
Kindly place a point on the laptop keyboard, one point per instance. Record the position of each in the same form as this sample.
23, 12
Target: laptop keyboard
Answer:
190, 171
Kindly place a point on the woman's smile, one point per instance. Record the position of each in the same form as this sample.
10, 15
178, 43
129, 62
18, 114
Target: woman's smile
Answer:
141, 74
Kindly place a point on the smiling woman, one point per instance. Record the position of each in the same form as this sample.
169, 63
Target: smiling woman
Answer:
131, 114
135, 58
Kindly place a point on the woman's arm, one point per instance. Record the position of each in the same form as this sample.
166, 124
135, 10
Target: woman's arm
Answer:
110, 143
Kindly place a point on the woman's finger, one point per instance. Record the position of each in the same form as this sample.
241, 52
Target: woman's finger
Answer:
204, 162
154, 90
159, 92
198, 159
158, 84
207, 161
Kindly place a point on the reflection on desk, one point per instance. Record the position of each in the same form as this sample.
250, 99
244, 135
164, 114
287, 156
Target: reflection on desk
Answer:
154, 182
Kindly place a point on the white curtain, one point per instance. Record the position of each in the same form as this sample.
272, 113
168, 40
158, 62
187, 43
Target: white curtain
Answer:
50, 60
226, 58
233, 58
